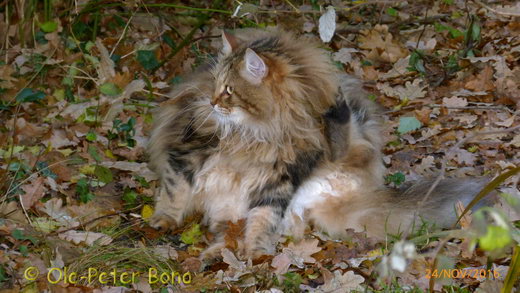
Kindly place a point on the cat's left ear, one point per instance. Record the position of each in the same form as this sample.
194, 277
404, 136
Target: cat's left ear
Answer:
229, 43
255, 68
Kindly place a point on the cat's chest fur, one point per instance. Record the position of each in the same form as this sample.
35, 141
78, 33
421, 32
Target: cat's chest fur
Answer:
228, 178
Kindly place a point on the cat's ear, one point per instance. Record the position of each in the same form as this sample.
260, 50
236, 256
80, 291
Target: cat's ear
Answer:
229, 43
255, 68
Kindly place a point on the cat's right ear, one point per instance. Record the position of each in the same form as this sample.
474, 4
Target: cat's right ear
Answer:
229, 43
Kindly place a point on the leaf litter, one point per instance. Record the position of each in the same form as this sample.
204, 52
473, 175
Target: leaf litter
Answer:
76, 105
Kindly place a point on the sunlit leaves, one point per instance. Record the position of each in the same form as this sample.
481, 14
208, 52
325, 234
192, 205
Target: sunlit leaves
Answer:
192, 235
49, 26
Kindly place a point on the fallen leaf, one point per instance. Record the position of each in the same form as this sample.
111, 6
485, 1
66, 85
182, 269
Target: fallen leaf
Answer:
88, 238
229, 258
327, 24
381, 44
340, 282
140, 169
454, 102
410, 91
34, 191
483, 81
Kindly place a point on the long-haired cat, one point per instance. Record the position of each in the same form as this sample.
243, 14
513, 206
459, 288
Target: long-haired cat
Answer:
272, 133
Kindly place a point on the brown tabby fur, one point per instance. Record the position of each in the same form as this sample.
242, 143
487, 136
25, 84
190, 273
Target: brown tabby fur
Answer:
274, 134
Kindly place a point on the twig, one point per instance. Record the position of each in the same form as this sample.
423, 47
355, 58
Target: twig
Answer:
23, 209
473, 107
93, 220
292, 5
35, 173
84, 224
122, 34
189, 8
184, 42
485, 6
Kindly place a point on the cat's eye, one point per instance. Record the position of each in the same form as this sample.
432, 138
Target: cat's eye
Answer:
229, 90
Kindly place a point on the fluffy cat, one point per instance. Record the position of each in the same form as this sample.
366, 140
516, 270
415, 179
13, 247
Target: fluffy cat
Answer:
273, 134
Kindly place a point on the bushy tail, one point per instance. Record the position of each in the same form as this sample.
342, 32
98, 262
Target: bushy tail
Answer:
394, 211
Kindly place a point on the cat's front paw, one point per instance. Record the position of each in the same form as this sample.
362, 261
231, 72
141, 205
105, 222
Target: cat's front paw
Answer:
162, 222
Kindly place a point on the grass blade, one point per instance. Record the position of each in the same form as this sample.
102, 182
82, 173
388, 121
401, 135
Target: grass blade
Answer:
513, 273
486, 190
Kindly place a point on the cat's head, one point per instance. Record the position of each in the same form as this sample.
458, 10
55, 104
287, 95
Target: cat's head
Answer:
267, 83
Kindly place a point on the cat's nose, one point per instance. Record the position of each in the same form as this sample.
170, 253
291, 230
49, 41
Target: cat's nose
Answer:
213, 103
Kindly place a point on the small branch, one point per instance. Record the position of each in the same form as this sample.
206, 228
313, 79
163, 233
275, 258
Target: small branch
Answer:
122, 34
473, 107
84, 224
504, 13
189, 8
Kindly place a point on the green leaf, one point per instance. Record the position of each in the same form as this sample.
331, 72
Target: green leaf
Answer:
49, 26
29, 95
103, 174
496, 237
391, 11
192, 235
147, 59
169, 41
39, 36
24, 250
408, 124
110, 89
416, 62
130, 197
292, 281
82, 188
43, 168
455, 33
94, 154
91, 136
3, 274
18, 234
396, 178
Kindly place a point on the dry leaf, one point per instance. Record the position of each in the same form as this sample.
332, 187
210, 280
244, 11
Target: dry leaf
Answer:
140, 169
342, 282
229, 258
34, 191
381, 44
410, 91
327, 24
482, 82
344, 55
454, 102
88, 238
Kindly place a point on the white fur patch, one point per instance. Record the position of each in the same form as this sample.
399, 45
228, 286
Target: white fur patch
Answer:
315, 192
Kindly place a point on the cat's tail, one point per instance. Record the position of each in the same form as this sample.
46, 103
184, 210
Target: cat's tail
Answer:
385, 211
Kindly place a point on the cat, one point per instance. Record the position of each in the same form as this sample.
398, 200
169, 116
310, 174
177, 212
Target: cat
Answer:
274, 134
